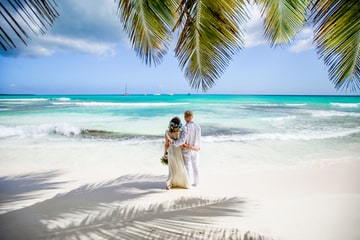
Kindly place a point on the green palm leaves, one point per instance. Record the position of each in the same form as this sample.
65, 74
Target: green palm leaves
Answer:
148, 24
336, 34
337, 38
210, 36
211, 32
283, 19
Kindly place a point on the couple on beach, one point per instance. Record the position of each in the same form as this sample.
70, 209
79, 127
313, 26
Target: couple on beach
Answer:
182, 145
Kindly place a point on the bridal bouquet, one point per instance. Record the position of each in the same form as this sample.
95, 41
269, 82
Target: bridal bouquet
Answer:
164, 160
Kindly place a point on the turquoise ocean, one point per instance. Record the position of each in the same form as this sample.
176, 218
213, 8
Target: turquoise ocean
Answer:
76, 140
249, 130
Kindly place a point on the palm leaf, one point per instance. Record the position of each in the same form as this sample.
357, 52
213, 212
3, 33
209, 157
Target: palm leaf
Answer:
148, 24
210, 35
337, 38
20, 16
283, 19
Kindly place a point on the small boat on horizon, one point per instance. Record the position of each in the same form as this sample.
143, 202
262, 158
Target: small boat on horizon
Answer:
125, 92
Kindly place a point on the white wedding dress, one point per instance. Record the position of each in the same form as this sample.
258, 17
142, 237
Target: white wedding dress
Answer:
177, 172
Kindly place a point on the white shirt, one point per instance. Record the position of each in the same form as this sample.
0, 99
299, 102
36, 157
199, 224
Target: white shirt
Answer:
190, 134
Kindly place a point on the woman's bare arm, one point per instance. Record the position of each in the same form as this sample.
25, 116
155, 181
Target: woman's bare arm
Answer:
189, 147
167, 144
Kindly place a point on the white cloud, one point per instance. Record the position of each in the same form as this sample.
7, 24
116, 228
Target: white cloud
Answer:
254, 28
92, 27
303, 41
254, 35
49, 44
301, 45
35, 50
80, 45
89, 27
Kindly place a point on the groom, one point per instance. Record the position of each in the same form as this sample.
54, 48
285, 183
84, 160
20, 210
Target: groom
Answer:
190, 135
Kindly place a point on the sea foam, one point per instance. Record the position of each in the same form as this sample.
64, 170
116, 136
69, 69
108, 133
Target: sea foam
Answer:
345, 105
22, 99
302, 135
331, 113
114, 104
61, 99
42, 130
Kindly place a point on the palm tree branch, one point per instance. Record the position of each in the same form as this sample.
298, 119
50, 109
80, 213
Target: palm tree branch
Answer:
283, 19
20, 15
148, 24
13, 24
29, 16
5, 39
17, 10
337, 38
210, 35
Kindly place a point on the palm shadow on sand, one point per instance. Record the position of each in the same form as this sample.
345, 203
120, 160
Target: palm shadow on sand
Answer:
110, 210
16, 190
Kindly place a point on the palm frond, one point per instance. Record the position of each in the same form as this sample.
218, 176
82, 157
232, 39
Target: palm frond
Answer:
337, 38
148, 24
17, 17
283, 19
211, 34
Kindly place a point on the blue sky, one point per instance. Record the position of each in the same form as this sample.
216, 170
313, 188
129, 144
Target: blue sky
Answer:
87, 52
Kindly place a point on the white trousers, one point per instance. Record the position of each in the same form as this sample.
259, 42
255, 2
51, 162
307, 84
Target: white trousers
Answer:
191, 159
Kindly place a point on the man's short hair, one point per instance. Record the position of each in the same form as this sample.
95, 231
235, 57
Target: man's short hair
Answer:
188, 113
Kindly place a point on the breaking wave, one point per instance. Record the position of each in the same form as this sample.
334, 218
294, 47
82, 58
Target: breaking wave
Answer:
305, 135
209, 134
345, 105
23, 99
114, 104
39, 131
331, 113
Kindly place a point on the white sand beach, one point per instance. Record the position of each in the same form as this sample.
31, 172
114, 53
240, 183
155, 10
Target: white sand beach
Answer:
89, 192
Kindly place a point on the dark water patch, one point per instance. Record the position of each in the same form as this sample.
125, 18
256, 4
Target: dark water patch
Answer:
103, 134
208, 130
111, 135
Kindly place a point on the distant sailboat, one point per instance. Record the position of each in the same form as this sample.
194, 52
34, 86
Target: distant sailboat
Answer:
125, 93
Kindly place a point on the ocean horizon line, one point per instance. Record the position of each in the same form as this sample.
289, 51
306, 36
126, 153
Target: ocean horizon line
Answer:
177, 94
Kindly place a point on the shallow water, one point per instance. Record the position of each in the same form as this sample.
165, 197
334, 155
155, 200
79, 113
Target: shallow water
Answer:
254, 126
78, 140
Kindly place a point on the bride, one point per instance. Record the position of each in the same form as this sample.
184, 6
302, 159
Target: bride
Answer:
177, 173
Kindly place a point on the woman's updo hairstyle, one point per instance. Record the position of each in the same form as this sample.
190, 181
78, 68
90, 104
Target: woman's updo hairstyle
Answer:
175, 124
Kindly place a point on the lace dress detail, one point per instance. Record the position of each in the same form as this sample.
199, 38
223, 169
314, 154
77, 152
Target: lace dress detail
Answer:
177, 172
